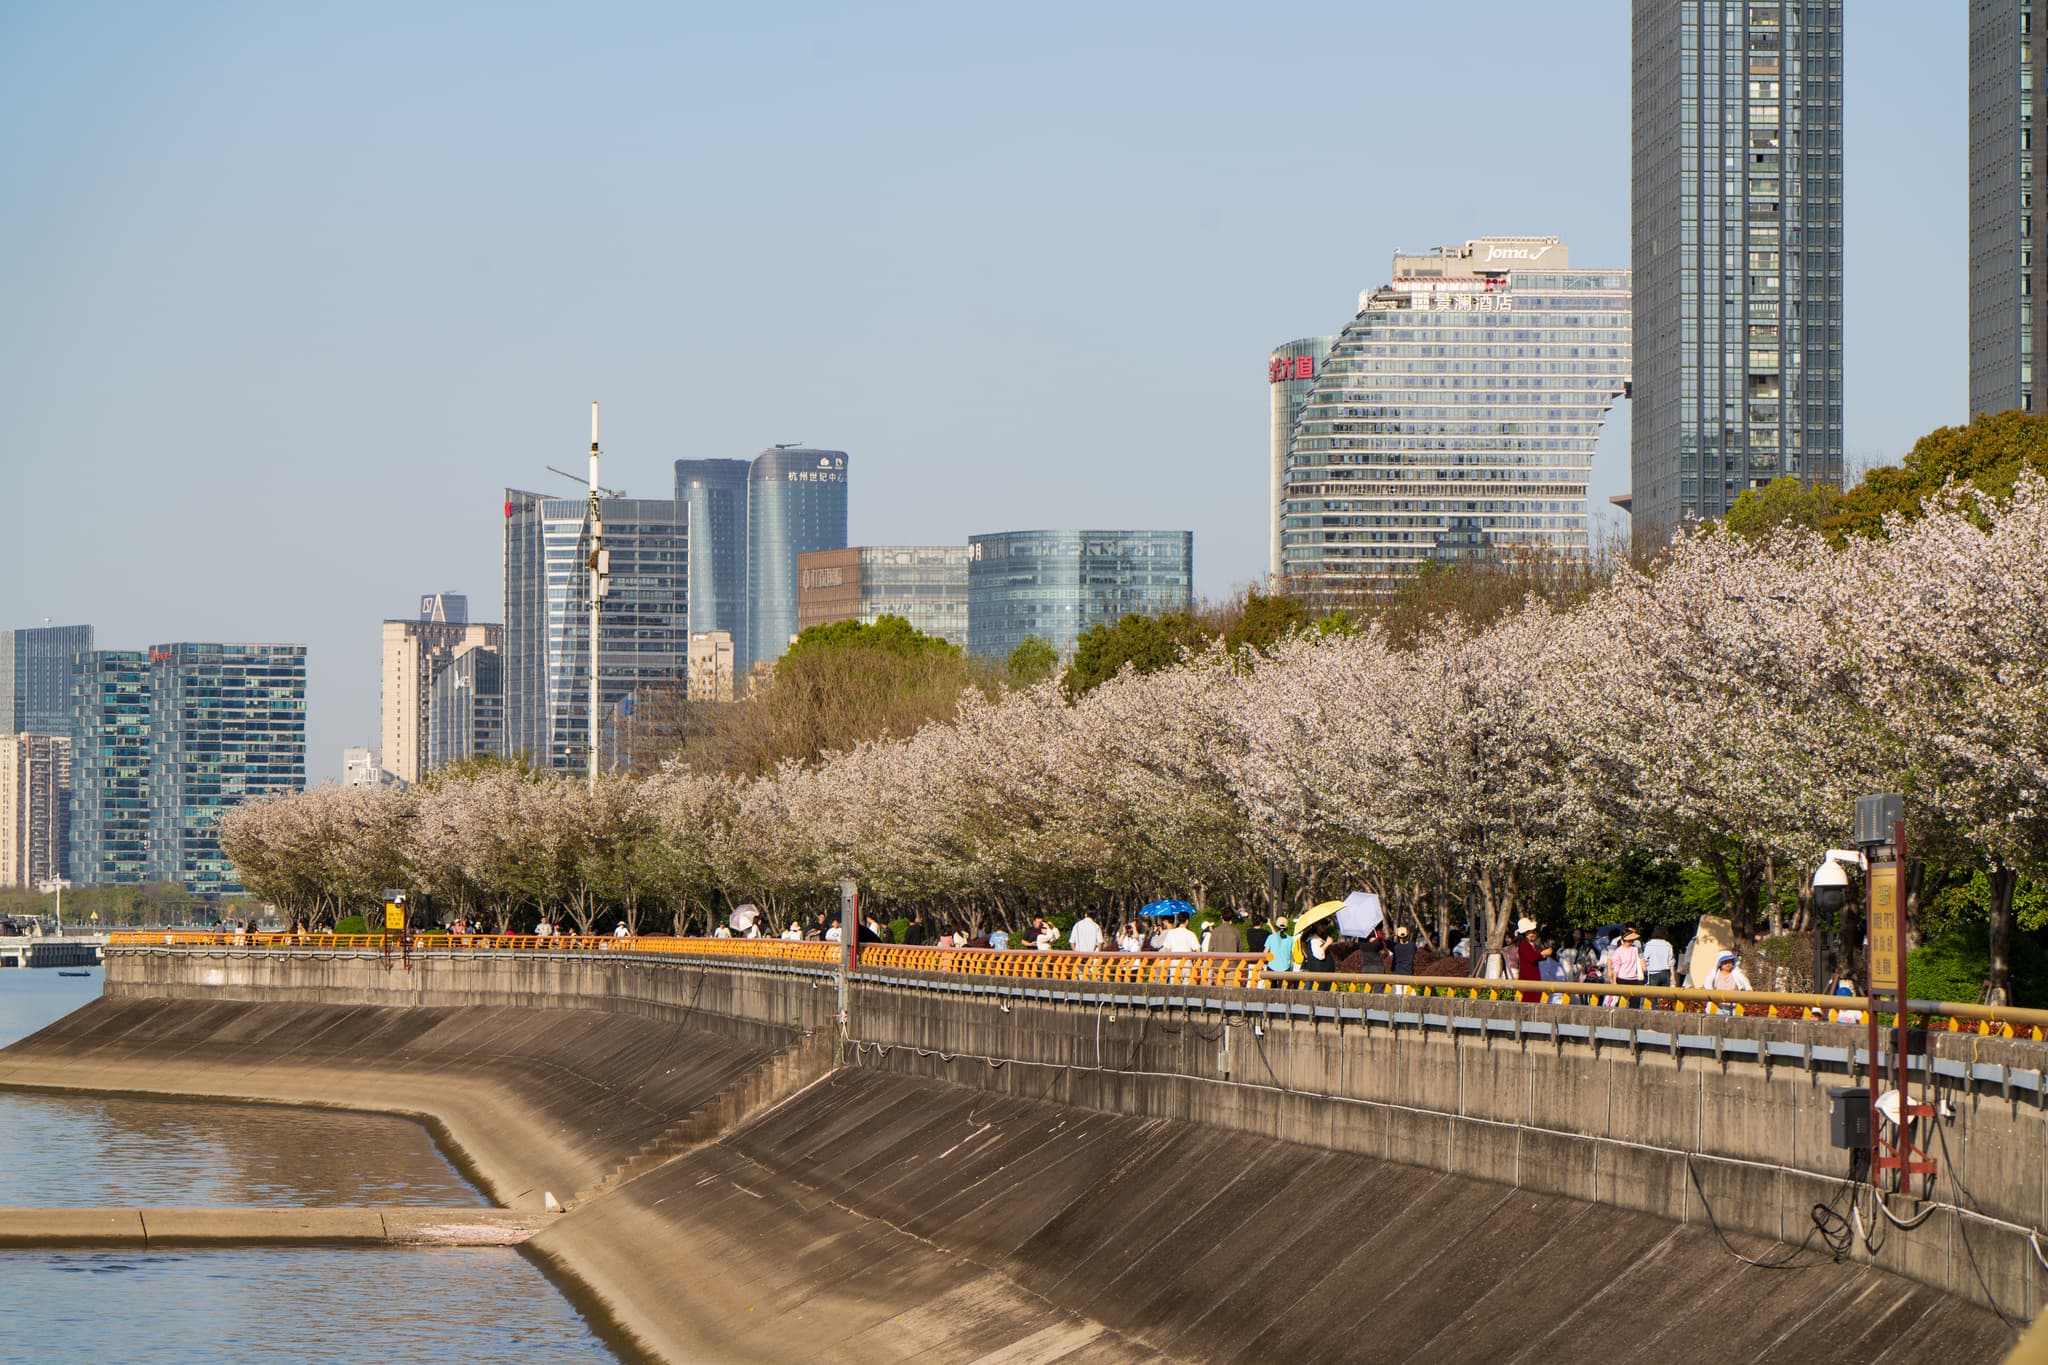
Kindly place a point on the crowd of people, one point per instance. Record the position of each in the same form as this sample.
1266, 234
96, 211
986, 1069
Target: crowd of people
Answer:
1619, 955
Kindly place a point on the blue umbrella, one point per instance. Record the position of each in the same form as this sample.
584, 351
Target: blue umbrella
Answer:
1158, 909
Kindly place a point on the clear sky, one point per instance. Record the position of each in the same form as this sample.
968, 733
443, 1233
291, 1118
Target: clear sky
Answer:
288, 293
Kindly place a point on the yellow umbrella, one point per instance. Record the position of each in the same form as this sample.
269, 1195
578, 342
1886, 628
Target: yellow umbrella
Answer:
1317, 914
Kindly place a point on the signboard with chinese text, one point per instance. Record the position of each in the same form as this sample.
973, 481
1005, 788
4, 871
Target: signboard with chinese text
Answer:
1887, 929
1283, 369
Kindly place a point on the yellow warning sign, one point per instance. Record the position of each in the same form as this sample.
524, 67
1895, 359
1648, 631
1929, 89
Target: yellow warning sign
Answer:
394, 916
1886, 968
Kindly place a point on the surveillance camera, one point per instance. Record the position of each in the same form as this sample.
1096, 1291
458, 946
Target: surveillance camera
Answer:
1830, 887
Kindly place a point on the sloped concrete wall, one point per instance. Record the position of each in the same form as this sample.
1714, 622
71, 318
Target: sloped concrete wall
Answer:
1647, 1130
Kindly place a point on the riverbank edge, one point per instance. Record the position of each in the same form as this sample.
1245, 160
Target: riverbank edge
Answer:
624, 1332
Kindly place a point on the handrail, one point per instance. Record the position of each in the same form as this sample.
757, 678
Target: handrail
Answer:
2016, 1021
1174, 969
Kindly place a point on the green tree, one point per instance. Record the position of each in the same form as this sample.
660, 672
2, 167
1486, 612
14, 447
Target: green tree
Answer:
1147, 643
836, 686
1633, 888
1032, 661
1264, 621
1988, 454
1759, 512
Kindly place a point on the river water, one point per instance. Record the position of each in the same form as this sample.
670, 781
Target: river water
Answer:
237, 1306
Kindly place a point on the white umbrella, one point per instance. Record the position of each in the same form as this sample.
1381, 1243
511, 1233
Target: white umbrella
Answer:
742, 919
1359, 915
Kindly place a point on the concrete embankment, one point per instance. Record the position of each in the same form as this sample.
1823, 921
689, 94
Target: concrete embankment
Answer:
531, 1102
886, 1217
37, 1228
735, 1200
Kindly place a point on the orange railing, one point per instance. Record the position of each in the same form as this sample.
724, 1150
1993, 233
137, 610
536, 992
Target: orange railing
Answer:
1166, 969
1952, 1017
1156, 969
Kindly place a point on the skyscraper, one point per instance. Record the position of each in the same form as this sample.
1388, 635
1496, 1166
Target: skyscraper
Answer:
1056, 584
35, 808
1290, 377
110, 751
926, 585
714, 493
643, 623
467, 716
38, 673
1455, 417
1737, 139
2007, 238
415, 652
796, 501
227, 722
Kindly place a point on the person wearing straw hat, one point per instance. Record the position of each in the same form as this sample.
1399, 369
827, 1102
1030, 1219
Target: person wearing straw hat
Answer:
1627, 963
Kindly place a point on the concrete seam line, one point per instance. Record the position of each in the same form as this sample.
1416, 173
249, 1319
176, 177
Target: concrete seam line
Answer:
1767, 1166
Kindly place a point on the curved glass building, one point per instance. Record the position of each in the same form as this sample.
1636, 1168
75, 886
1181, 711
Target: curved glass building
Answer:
1290, 377
1455, 417
715, 494
1056, 584
796, 502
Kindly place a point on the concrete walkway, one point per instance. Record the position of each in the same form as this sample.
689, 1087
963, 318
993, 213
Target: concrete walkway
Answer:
42, 1228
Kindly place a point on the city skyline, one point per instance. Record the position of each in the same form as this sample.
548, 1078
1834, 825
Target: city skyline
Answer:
286, 373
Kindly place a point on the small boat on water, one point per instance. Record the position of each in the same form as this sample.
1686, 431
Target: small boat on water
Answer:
65, 972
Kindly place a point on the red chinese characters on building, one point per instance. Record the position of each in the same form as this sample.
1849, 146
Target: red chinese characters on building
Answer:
1282, 369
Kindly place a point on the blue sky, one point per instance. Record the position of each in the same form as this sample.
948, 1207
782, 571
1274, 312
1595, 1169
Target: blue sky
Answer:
291, 292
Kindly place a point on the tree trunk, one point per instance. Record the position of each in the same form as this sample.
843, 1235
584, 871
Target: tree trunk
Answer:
2003, 881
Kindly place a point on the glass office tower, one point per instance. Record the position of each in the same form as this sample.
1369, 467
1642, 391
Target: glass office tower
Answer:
926, 585
466, 716
2006, 238
643, 624
714, 494
227, 723
1056, 584
796, 501
110, 755
1737, 144
1290, 377
1455, 418
38, 674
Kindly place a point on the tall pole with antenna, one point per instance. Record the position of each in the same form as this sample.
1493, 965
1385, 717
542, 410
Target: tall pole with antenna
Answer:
598, 566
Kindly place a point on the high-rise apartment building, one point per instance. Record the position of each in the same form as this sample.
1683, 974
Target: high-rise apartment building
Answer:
1290, 377
415, 653
1056, 584
467, 716
926, 585
1737, 245
227, 723
711, 666
796, 502
714, 496
110, 757
643, 622
1455, 417
38, 677
2007, 239
35, 808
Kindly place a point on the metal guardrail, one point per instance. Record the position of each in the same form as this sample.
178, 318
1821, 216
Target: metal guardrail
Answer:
1158, 969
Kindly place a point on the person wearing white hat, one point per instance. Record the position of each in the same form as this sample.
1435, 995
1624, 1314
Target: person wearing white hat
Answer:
1727, 977
1528, 957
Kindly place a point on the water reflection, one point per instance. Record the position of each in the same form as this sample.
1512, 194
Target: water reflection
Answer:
74, 1150
312, 1304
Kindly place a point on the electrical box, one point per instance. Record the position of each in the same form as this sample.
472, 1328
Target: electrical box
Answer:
1849, 1117
1875, 817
